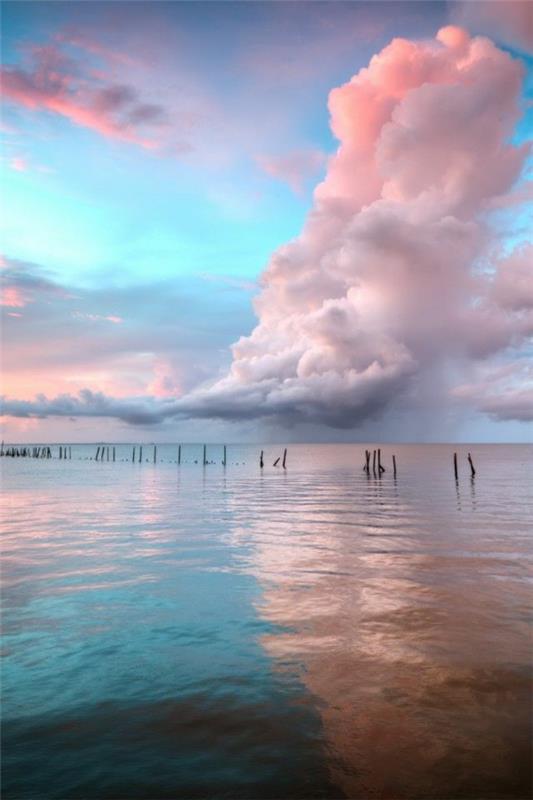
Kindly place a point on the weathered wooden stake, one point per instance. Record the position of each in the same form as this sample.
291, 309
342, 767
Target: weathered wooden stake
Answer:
284, 459
113, 453
374, 462
381, 468
224, 459
276, 462
394, 465
261, 463
155, 453
140, 454
205, 459
133, 456
179, 454
455, 466
96, 456
471, 465
70, 452
107, 453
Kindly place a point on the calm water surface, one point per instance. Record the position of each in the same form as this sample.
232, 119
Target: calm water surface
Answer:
225, 633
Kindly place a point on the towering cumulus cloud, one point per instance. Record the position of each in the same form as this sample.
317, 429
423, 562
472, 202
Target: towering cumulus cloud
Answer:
395, 274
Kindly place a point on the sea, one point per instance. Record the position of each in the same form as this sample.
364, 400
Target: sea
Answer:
210, 630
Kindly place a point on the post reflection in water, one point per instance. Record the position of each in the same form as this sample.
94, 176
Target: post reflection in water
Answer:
313, 632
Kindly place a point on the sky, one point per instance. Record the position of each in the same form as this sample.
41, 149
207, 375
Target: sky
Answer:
267, 221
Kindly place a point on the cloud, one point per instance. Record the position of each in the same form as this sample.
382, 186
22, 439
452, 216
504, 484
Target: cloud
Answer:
507, 21
18, 163
135, 411
156, 337
396, 282
21, 283
295, 168
504, 393
395, 273
55, 83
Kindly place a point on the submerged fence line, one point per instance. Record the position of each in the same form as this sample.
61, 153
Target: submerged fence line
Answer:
372, 463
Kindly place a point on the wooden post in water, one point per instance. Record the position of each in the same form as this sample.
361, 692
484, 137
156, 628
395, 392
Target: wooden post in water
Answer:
380, 467
473, 471
283, 464
374, 462
276, 462
394, 465
224, 459
205, 459
261, 463
107, 453
155, 453
133, 456
113, 453
179, 454
140, 454
96, 456
455, 466
70, 452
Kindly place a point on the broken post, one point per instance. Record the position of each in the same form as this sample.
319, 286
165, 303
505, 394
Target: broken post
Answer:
276, 462
473, 471
261, 463
380, 467
284, 459
394, 465
455, 466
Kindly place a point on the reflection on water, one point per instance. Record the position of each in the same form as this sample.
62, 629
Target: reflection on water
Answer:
211, 632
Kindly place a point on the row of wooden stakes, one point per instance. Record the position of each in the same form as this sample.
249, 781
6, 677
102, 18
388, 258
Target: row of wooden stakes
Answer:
376, 462
34, 452
106, 453
455, 469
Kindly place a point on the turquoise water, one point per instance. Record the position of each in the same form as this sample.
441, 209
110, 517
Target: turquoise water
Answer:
201, 631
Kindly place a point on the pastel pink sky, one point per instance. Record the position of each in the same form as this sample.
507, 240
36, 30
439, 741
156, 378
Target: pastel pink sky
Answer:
393, 266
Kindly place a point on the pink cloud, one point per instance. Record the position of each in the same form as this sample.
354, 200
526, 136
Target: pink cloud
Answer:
18, 163
13, 297
98, 317
382, 290
53, 84
295, 168
78, 39
508, 21
504, 392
